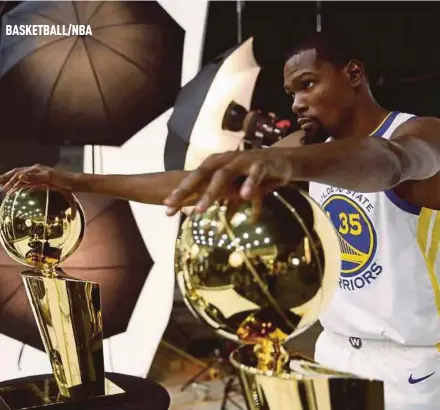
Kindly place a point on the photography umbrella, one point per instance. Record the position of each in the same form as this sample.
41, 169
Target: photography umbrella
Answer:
14, 154
112, 254
99, 88
195, 126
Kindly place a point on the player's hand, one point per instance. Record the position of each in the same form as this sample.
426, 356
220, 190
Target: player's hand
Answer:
257, 172
36, 175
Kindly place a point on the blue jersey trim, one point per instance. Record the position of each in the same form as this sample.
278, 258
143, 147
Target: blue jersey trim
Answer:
391, 194
402, 204
386, 124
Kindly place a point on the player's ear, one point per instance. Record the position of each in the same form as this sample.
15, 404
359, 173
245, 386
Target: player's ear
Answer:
354, 70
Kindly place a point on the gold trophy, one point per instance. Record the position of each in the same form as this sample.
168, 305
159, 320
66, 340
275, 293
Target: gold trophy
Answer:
262, 281
40, 228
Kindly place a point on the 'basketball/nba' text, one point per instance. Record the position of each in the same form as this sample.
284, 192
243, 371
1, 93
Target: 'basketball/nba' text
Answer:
48, 30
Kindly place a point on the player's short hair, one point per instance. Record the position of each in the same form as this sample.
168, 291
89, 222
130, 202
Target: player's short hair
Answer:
336, 47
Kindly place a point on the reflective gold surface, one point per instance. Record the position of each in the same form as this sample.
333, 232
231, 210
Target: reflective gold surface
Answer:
68, 314
309, 386
261, 282
255, 281
41, 227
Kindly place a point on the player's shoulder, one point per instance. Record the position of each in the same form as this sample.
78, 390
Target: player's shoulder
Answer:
406, 123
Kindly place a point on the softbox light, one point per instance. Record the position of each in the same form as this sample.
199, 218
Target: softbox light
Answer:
195, 126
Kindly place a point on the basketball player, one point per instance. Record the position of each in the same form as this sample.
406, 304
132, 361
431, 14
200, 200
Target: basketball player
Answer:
376, 175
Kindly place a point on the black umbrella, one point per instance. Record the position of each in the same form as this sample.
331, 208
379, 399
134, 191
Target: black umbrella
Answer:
88, 89
16, 154
218, 109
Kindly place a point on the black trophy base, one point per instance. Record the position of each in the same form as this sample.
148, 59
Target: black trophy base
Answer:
41, 392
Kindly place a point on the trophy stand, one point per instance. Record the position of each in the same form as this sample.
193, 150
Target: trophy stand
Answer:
307, 384
41, 228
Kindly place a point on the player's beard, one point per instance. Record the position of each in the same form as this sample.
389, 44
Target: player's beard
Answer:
315, 135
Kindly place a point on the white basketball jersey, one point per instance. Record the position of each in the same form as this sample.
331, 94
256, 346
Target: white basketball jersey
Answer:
389, 282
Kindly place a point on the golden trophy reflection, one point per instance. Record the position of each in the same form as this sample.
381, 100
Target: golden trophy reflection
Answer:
262, 282
40, 228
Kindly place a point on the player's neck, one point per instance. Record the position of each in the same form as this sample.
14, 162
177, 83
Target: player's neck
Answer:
363, 119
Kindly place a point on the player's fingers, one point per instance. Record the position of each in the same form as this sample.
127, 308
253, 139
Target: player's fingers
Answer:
4, 178
250, 187
190, 200
257, 206
191, 184
35, 176
12, 182
221, 181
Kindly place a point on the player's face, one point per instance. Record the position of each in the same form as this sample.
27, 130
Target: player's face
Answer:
321, 93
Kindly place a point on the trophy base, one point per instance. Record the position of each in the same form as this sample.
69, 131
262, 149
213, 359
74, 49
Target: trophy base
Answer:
44, 393
303, 384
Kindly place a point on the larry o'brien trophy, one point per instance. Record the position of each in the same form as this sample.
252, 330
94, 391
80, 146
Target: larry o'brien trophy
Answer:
262, 281
40, 228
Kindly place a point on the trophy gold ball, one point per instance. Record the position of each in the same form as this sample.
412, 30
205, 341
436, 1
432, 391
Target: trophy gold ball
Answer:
41, 227
255, 280
261, 279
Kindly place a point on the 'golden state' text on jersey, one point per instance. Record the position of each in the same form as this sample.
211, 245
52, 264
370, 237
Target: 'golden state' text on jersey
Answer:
389, 281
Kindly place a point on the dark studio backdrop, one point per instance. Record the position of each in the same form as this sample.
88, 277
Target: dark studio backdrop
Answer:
398, 41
